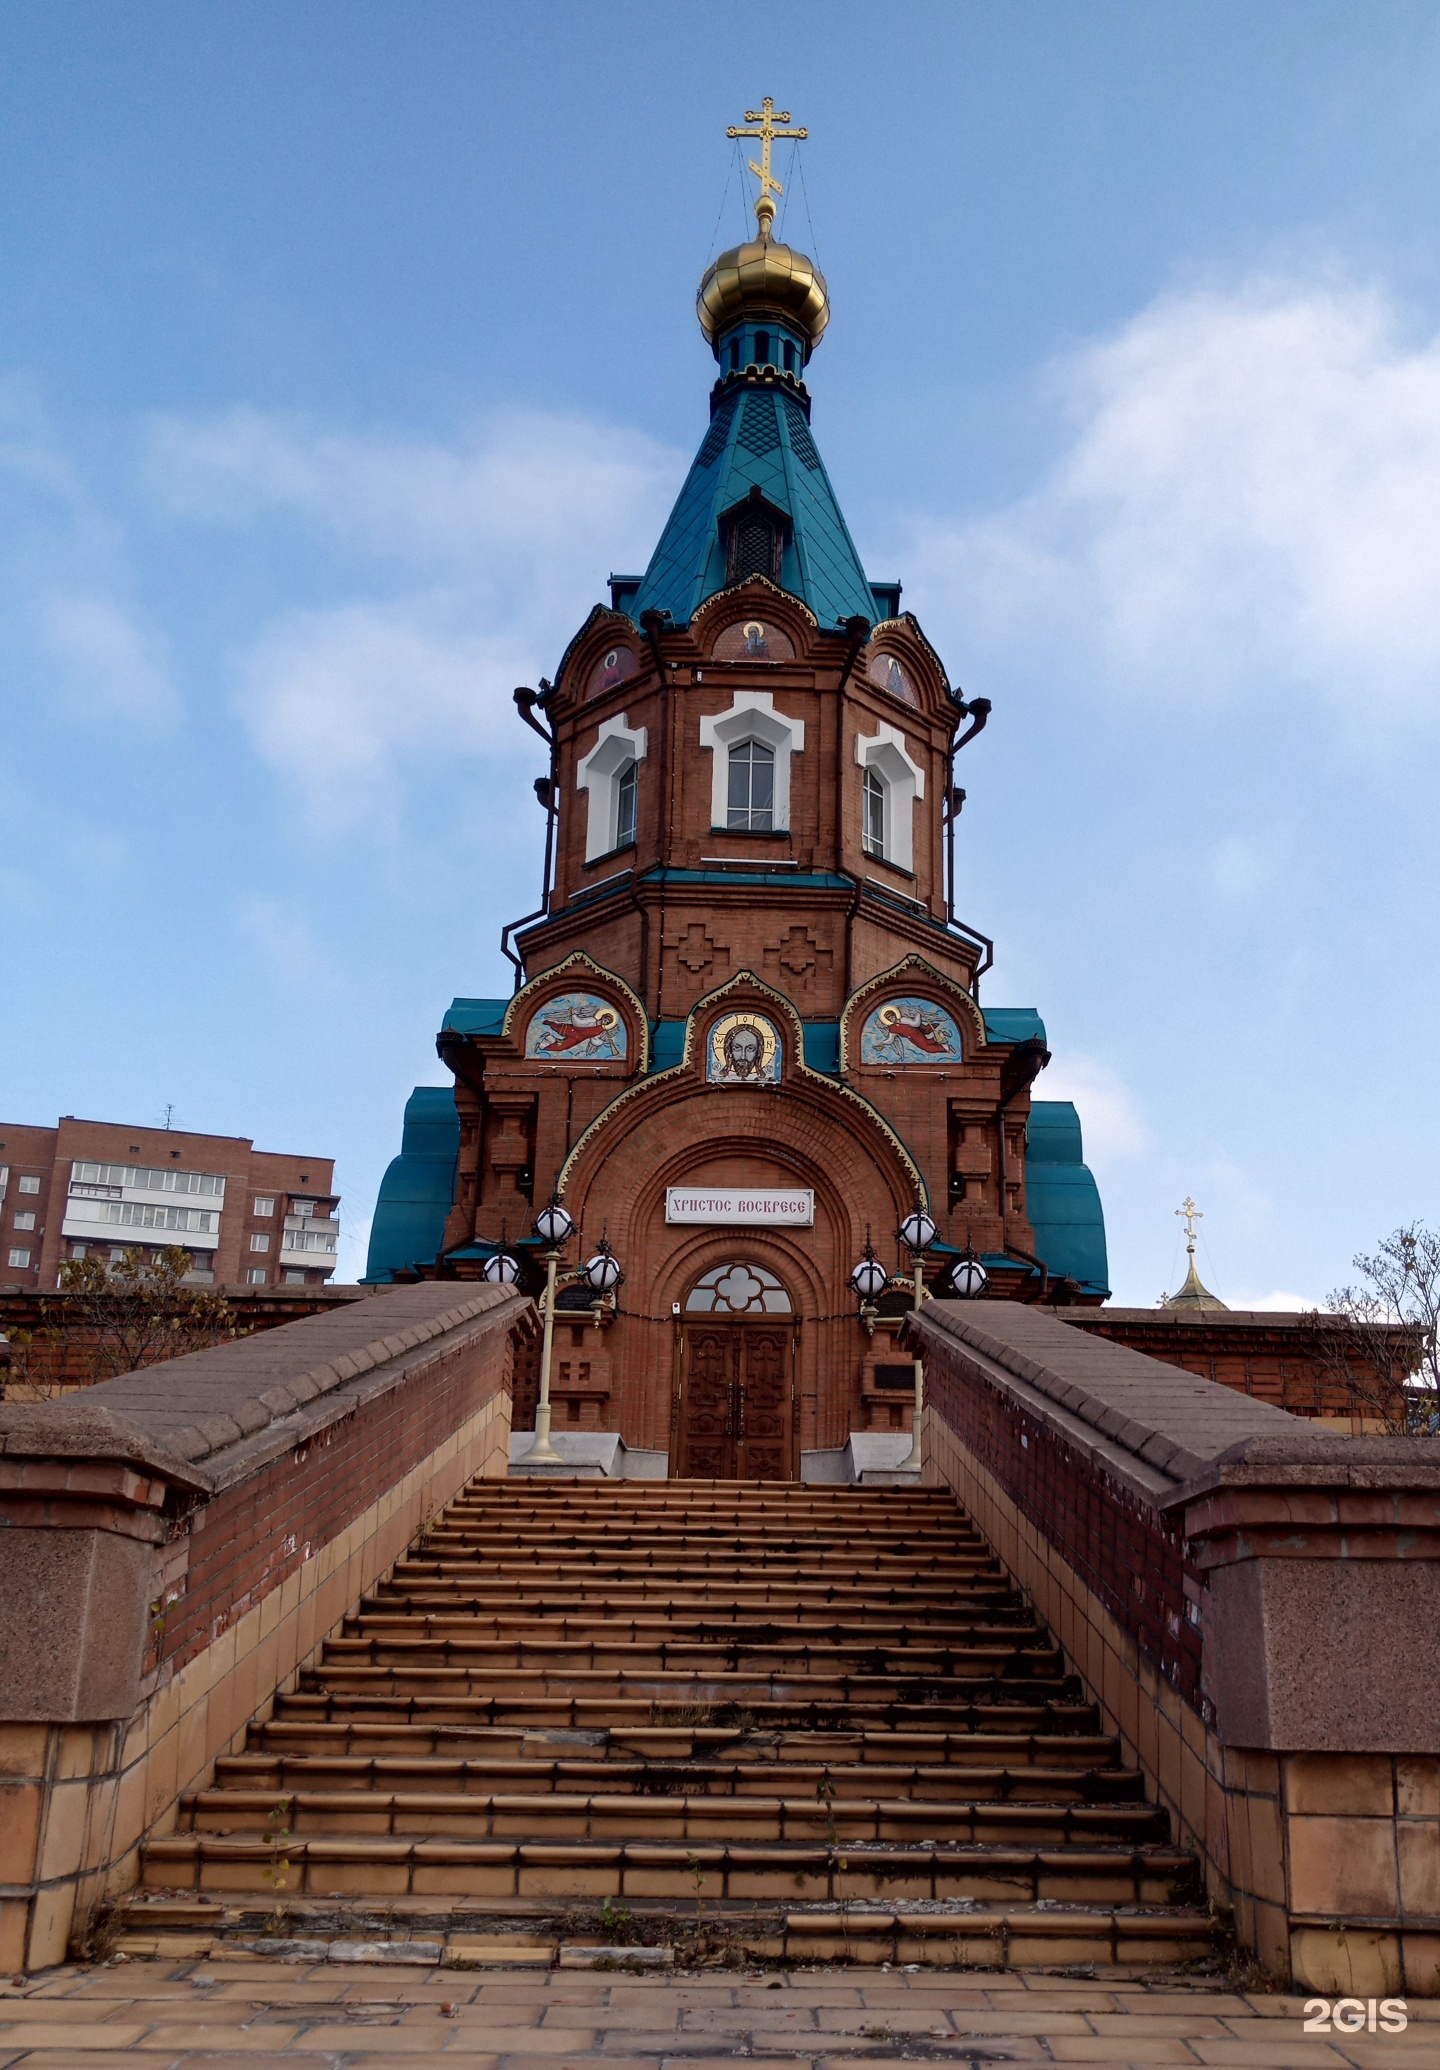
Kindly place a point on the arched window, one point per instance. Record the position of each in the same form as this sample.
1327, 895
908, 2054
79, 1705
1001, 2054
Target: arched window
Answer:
789, 351
752, 548
610, 774
751, 799
892, 781
626, 788
738, 1289
874, 835
762, 348
734, 355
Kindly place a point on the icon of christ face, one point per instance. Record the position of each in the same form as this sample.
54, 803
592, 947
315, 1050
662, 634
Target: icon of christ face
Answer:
743, 1050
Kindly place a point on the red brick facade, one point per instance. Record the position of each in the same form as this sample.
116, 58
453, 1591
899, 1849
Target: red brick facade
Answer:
689, 923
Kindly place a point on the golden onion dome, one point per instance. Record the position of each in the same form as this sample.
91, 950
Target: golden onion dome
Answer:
763, 279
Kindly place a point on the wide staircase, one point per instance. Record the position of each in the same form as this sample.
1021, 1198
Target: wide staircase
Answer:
742, 1720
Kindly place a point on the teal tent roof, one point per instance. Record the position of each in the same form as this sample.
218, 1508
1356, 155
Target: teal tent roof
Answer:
475, 1017
758, 438
1012, 1024
418, 1187
1063, 1199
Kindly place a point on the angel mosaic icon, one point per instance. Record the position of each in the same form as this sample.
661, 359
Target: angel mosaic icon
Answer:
910, 1031
576, 1028
744, 1049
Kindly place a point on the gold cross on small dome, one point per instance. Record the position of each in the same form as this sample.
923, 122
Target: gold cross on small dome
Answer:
1191, 1215
767, 132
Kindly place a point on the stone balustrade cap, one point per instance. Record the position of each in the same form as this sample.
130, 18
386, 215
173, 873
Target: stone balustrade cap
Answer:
1318, 1459
173, 1416
1172, 1423
77, 1427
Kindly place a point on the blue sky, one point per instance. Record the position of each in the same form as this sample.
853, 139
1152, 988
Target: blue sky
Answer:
345, 349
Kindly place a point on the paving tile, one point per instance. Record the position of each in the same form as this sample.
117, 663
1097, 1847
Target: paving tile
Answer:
1300, 2052
71, 2034
1095, 2048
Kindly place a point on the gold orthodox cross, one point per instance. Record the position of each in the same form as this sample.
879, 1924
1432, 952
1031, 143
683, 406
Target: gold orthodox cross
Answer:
767, 118
1192, 1215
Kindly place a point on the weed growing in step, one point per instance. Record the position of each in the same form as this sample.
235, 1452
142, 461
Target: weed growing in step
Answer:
278, 1869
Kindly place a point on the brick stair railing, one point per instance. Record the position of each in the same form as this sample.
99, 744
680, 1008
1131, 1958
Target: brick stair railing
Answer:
800, 1713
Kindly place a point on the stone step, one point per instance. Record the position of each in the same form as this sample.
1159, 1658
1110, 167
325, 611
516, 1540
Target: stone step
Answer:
556, 1814
807, 1711
282, 1738
543, 1651
654, 1604
802, 1688
992, 1705
970, 1935
276, 1775
386, 1624
676, 1870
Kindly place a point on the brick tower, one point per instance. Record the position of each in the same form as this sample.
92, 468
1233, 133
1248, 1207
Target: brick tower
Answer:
746, 1034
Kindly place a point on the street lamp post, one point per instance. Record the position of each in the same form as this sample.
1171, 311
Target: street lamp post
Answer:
869, 1279
552, 1226
917, 1233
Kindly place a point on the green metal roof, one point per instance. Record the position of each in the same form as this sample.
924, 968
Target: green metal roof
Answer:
1013, 1024
474, 1017
759, 438
418, 1186
1063, 1199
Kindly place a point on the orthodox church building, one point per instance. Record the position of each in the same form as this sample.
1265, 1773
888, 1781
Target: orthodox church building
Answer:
747, 1035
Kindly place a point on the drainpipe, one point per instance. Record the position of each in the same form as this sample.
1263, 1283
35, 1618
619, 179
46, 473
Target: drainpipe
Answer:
977, 711
652, 624
525, 703
857, 632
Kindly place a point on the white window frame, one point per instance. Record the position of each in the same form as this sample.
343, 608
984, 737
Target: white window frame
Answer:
598, 775
23, 1219
752, 716
264, 1206
257, 1276
259, 1242
904, 779
29, 1184
20, 1261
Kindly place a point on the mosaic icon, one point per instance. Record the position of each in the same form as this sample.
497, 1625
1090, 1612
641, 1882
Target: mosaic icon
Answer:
910, 1031
576, 1028
744, 1049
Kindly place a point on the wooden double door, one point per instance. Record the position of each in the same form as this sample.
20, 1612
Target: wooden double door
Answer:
737, 1390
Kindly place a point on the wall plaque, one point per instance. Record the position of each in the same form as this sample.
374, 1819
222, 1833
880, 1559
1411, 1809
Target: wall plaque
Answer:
759, 1207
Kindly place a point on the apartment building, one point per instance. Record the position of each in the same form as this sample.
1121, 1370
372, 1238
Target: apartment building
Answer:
247, 1217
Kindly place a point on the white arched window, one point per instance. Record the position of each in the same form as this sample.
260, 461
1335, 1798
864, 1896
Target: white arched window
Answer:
750, 799
873, 835
738, 1289
750, 781
891, 783
610, 773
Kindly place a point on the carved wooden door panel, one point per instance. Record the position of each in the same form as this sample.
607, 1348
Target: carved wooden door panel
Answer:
763, 1407
707, 1408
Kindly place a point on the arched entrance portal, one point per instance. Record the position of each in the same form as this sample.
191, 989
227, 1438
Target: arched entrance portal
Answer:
737, 1377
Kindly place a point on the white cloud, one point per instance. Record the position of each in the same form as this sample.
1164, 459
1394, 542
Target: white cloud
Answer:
1112, 1127
101, 660
496, 542
1250, 493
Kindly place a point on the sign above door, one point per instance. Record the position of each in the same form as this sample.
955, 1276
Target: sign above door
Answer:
752, 1206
